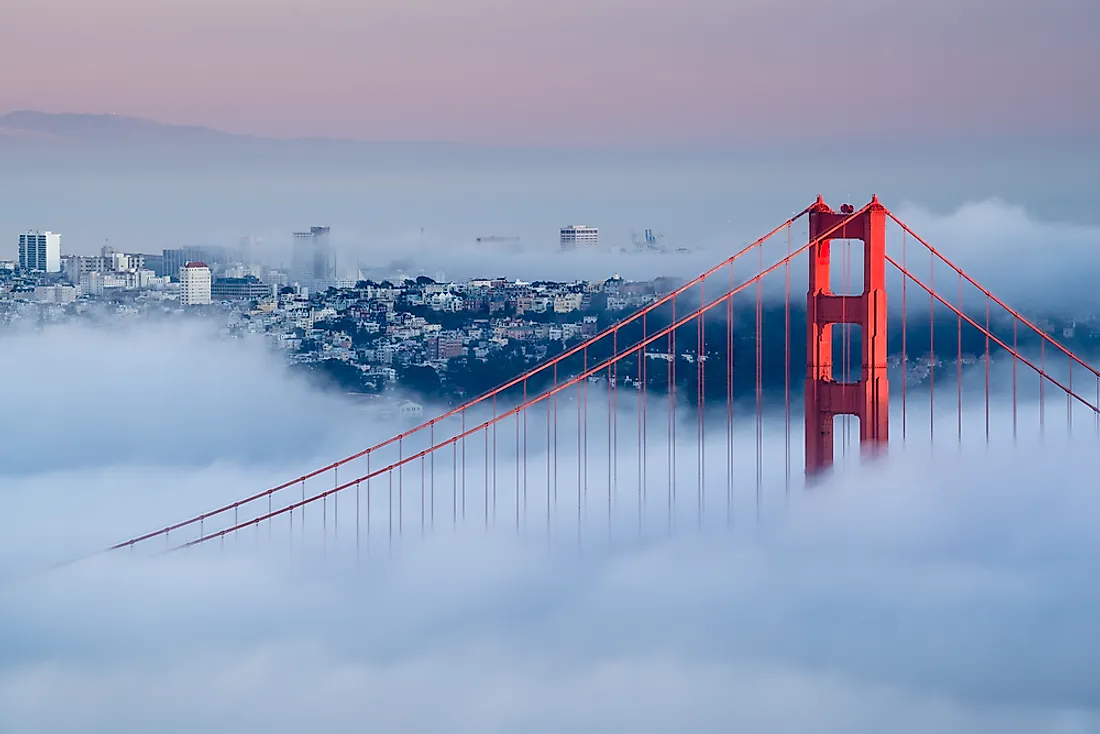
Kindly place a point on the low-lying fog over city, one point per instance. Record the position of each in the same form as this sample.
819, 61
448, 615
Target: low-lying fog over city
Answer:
241, 244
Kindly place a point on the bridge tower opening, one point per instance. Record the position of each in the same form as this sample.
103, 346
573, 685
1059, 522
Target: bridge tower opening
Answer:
826, 398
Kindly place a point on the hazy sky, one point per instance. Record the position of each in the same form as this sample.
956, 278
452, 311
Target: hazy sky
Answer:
577, 71
961, 600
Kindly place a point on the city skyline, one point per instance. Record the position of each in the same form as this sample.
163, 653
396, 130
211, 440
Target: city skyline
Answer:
696, 71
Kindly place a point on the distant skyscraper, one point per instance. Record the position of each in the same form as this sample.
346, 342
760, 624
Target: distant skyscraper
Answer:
314, 263
301, 268
154, 263
195, 284
247, 250
40, 251
173, 260
579, 234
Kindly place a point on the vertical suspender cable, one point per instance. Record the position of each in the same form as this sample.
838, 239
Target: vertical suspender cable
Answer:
959, 364
729, 402
700, 399
759, 380
904, 338
787, 369
1015, 351
645, 428
987, 370
931, 347
671, 432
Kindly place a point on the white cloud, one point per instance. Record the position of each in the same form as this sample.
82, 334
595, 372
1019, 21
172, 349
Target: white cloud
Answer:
950, 595
1029, 262
474, 689
156, 394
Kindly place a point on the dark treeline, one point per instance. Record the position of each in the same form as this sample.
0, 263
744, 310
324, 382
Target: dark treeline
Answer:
467, 377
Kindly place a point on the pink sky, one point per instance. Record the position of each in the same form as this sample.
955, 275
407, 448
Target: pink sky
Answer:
572, 71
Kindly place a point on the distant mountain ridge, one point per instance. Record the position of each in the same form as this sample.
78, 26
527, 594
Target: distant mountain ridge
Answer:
73, 126
38, 140
78, 127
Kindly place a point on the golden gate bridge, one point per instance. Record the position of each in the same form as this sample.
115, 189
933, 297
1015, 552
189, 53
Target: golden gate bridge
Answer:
605, 426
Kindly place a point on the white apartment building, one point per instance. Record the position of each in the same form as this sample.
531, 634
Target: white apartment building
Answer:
579, 235
63, 294
76, 267
40, 251
567, 302
195, 284
94, 283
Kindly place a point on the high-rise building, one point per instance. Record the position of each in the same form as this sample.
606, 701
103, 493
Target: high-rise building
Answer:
301, 257
579, 234
248, 250
154, 263
195, 284
314, 263
173, 260
40, 251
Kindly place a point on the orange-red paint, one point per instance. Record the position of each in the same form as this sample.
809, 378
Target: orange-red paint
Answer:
869, 397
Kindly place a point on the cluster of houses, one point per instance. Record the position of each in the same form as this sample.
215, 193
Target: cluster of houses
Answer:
380, 327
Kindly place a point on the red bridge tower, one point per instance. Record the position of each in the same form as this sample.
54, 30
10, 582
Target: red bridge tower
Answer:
825, 397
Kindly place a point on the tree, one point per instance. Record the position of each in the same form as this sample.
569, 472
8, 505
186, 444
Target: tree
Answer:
598, 304
447, 320
334, 374
361, 338
469, 376
345, 324
421, 379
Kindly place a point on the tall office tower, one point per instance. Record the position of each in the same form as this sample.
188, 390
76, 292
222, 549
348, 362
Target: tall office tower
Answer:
578, 234
154, 263
300, 255
324, 259
195, 284
248, 250
40, 251
314, 263
174, 259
